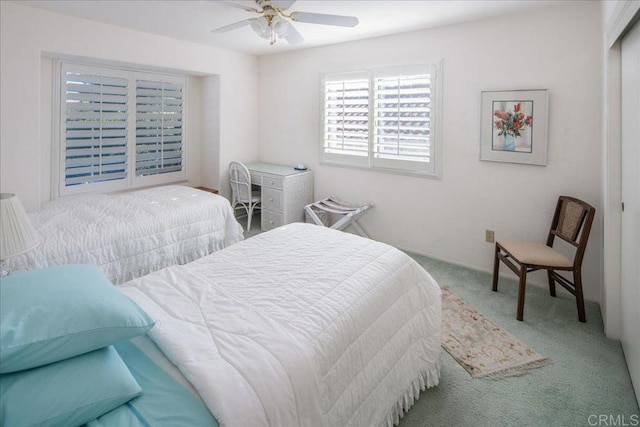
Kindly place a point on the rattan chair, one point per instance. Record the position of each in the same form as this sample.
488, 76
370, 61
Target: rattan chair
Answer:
241, 194
572, 223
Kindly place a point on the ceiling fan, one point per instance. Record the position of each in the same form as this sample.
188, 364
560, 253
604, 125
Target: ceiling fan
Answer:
274, 20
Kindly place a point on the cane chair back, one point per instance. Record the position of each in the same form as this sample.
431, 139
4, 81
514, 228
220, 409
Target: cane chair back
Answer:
241, 194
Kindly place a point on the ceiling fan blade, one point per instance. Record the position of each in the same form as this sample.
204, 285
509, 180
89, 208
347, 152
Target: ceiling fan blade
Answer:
232, 26
248, 6
283, 4
321, 18
293, 36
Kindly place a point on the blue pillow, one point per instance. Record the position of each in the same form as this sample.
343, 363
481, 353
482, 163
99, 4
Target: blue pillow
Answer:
54, 313
67, 393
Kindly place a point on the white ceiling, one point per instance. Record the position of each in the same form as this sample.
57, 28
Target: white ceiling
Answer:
193, 20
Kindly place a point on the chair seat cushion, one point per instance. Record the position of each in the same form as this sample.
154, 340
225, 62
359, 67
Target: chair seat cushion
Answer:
535, 254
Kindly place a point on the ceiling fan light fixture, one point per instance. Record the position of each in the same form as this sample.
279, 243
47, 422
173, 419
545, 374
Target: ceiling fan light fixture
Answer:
261, 27
280, 26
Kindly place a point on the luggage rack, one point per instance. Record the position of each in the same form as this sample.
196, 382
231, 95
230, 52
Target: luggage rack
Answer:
332, 205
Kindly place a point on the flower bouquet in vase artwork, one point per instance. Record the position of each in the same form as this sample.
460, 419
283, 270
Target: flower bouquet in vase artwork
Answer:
512, 126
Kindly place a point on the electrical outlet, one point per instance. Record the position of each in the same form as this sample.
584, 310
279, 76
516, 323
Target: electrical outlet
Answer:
489, 236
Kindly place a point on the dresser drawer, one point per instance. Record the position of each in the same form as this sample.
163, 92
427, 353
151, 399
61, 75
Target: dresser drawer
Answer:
272, 181
272, 199
271, 220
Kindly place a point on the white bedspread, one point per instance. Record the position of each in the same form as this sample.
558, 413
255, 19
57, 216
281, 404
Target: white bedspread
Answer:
131, 234
302, 325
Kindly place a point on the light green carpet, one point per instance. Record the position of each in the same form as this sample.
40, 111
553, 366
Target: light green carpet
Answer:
587, 375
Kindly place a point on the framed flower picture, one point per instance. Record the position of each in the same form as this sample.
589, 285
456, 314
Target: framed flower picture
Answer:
513, 126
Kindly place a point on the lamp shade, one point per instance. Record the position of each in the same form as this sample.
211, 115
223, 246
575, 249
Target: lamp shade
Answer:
17, 234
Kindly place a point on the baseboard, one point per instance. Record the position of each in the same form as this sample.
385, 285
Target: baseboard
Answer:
508, 275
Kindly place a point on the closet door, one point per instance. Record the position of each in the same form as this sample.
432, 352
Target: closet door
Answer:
630, 289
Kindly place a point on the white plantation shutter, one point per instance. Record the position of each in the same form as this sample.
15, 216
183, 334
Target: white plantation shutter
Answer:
96, 112
402, 124
346, 116
98, 148
383, 119
158, 127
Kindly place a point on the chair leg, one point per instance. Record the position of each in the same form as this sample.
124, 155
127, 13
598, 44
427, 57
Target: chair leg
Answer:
577, 280
552, 283
496, 267
249, 216
521, 290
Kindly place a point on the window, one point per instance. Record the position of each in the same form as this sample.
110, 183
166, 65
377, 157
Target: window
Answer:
382, 119
119, 129
346, 117
158, 127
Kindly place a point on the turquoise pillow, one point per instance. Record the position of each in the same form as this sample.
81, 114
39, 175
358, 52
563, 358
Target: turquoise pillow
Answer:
67, 393
54, 313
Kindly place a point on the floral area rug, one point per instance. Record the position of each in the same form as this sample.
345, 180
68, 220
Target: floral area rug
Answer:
480, 346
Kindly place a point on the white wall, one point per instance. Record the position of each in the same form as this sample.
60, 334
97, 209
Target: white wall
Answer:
558, 48
28, 36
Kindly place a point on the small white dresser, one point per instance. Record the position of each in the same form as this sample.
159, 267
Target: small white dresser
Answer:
284, 192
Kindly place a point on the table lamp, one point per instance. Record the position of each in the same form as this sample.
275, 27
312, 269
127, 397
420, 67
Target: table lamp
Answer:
17, 234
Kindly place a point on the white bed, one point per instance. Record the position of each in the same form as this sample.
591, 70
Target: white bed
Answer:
302, 325
131, 234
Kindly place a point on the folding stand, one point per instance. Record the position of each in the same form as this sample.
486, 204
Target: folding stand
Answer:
332, 205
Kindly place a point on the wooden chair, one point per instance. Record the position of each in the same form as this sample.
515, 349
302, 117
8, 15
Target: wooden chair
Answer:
242, 195
572, 223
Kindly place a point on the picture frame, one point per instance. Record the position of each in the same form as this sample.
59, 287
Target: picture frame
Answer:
513, 126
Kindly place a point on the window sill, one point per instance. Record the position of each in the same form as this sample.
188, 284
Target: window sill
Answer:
413, 173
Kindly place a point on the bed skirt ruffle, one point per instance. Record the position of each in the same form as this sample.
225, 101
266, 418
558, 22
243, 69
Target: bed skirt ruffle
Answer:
425, 380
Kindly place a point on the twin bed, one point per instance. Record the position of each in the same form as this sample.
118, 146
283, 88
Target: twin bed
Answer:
299, 326
130, 234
